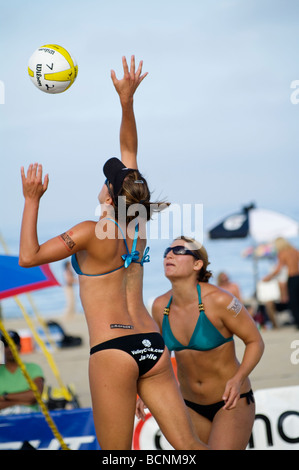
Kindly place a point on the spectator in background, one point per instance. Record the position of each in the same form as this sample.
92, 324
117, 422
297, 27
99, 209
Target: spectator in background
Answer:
288, 257
69, 280
224, 282
15, 393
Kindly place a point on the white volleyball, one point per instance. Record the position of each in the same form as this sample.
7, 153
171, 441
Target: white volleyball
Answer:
52, 69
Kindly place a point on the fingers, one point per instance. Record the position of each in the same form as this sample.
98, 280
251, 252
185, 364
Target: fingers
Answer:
230, 404
140, 413
131, 73
139, 70
125, 67
23, 174
34, 174
230, 399
113, 77
143, 76
38, 172
46, 183
132, 78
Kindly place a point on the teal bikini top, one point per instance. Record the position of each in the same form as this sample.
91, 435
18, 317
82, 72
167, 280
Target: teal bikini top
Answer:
205, 335
128, 257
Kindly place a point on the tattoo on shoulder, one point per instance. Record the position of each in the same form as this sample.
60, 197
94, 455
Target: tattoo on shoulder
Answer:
67, 240
235, 306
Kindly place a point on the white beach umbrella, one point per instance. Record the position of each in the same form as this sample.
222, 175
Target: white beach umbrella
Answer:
262, 225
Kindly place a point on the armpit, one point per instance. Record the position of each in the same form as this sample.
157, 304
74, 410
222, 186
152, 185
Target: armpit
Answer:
235, 305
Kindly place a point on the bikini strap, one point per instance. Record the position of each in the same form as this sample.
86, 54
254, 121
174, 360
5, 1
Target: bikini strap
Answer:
167, 308
121, 231
134, 255
200, 304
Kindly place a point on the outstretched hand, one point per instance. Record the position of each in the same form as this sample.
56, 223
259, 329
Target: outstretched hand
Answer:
127, 86
33, 185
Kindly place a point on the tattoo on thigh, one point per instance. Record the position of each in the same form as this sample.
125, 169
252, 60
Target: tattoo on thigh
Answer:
67, 241
235, 306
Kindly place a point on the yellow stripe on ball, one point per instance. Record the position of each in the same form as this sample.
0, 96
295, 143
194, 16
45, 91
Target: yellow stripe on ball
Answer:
30, 72
63, 52
65, 75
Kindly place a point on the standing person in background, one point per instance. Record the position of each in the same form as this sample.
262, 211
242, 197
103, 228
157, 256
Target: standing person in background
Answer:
127, 354
198, 321
288, 257
225, 283
69, 280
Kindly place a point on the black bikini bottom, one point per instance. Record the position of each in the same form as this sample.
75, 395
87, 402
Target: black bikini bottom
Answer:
145, 348
209, 411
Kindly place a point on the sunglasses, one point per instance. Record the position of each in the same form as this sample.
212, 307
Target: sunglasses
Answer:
107, 183
179, 250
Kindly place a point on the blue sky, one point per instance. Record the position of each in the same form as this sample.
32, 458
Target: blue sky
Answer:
215, 121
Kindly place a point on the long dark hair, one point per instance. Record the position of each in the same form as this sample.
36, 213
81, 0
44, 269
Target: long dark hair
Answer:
135, 190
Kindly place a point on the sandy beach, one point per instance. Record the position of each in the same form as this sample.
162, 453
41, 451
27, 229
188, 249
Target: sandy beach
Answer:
276, 369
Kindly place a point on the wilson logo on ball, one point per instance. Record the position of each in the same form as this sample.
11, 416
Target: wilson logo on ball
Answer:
52, 69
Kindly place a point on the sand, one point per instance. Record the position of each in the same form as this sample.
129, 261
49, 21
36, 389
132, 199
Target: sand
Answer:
276, 368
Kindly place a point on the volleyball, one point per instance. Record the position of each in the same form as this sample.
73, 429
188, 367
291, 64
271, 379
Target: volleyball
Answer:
52, 69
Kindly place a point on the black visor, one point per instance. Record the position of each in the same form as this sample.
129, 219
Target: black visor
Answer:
115, 171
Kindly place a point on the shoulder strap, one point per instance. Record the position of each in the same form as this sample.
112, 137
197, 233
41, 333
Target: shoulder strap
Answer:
134, 255
200, 304
121, 231
135, 238
167, 308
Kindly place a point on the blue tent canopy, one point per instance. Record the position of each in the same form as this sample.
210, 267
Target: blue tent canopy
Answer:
16, 280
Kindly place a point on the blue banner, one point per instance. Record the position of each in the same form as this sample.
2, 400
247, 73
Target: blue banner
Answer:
75, 426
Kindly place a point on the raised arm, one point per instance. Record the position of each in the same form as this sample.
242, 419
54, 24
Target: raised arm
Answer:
126, 88
60, 247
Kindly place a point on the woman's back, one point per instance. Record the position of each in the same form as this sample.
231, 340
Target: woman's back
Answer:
111, 294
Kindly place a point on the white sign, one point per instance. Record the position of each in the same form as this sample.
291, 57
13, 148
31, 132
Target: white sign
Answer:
276, 425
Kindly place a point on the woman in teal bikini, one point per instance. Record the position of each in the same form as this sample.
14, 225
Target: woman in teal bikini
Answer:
198, 321
127, 355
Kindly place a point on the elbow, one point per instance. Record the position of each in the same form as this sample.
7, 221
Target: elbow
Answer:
25, 262
22, 262
261, 346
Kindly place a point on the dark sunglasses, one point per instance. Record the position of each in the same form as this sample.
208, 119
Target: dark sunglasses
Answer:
179, 250
107, 183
